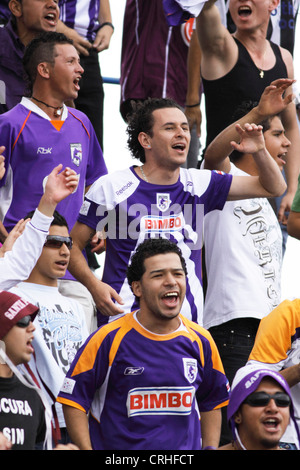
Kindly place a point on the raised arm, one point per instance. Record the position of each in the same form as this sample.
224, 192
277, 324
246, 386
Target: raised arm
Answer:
218, 49
193, 95
273, 101
18, 262
269, 182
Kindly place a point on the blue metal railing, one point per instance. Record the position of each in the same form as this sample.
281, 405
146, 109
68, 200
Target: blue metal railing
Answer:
112, 80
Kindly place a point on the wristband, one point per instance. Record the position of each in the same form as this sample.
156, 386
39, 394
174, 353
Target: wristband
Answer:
107, 24
192, 105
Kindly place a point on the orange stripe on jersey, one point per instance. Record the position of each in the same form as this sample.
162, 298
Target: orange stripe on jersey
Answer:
89, 353
57, 124
275, 333
23, 125
81, 122
72, 403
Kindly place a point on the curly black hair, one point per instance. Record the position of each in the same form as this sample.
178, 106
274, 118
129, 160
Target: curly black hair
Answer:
141, 120
147, 249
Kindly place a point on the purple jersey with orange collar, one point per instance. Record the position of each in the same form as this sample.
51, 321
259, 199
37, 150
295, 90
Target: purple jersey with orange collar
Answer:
146, 391
33, 147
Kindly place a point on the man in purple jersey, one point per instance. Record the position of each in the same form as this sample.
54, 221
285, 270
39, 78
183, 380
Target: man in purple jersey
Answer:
28, 19
41, 130
160, 199
152, 379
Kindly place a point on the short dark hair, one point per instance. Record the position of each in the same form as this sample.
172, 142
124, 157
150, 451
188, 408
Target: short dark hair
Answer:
141, 120
147, 249
58, 219
41, 49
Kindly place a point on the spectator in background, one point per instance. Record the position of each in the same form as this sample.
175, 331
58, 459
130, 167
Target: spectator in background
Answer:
42, 129
260, 409
24, 244
154, 62
89, 25
60, 323
28, 18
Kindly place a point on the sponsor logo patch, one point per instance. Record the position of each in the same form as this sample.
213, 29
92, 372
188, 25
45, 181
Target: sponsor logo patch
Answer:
160, 401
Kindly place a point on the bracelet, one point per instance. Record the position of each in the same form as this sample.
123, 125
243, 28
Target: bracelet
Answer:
192, 105
107, 24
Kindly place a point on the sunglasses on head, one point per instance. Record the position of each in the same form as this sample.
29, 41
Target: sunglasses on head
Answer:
262, 399
56, 241
24, 322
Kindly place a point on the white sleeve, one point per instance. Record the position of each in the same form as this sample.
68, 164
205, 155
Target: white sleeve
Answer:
17, 264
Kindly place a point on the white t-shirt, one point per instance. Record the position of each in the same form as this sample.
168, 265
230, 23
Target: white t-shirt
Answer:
243, 254
60, 332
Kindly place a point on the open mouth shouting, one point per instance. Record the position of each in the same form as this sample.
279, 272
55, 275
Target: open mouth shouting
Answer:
76, 83
51, 19
244, 11
179, 147
171, 299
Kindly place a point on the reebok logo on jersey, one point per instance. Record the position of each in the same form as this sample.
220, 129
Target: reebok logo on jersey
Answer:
133, 370
161, 400
44, 151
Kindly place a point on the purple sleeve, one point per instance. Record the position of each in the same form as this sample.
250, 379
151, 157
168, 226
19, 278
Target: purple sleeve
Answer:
96, 165
217, 192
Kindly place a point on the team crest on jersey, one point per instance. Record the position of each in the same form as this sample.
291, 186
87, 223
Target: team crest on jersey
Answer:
190, 368
163, 201
76, 153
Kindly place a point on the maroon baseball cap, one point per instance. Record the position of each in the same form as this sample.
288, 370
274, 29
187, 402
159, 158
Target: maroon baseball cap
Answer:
12, 309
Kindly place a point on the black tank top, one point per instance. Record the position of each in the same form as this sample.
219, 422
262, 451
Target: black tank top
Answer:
242, 83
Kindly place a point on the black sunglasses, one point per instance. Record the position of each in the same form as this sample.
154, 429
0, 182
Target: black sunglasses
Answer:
24, 322
56, 241
262, 399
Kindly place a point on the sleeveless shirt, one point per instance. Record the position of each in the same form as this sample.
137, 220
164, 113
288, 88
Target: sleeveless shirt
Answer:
242, 83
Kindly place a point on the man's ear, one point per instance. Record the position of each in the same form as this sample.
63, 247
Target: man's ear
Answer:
273, 4
43, 69
136, 288
238, 417
16, 8
144, 140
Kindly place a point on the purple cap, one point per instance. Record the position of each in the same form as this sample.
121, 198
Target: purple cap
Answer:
245, 382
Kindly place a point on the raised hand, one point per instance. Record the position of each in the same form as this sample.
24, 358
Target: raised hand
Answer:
251, 138
274, 99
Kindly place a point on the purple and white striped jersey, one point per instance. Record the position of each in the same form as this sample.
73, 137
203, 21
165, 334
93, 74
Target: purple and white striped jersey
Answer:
131, 210
81, 15
146, 391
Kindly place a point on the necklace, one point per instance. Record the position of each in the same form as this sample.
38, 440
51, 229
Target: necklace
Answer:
57, 109
261, 71
143, 174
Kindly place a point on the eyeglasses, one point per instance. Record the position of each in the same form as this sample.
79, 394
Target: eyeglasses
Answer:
262, 399
56, 241
24, 322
